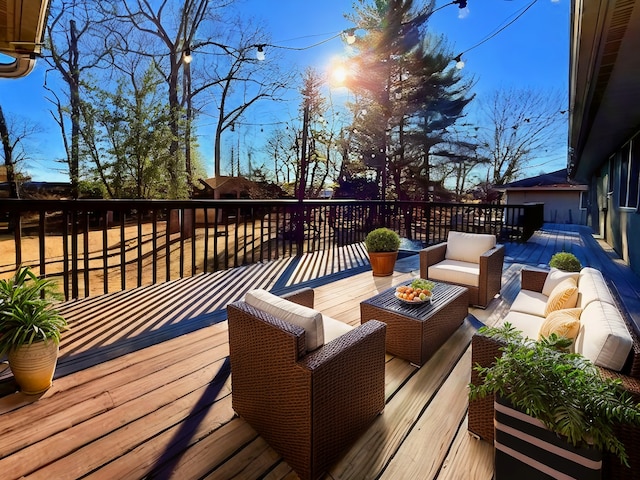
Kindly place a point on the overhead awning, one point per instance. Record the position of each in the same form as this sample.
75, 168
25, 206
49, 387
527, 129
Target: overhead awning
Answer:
22, 24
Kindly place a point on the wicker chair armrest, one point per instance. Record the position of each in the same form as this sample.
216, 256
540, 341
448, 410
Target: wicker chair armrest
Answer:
532, 279
491, 263
347, 388
629, 435
484, 351
304, 296
252, 329
430, 256
495, 254
490, 274
630, 384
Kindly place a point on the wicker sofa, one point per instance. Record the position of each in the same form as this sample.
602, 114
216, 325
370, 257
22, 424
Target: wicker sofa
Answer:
604, 337
472, 260
309, 404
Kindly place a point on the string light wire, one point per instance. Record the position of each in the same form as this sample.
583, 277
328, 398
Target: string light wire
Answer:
500, 29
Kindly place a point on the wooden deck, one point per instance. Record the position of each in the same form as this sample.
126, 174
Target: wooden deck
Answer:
143, 385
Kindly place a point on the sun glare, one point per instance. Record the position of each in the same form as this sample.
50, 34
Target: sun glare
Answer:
339, 75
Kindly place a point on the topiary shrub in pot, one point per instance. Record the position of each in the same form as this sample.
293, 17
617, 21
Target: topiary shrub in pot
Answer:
382, 245
29, 330
565, 261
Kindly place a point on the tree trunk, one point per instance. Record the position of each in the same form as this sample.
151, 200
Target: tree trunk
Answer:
8, 156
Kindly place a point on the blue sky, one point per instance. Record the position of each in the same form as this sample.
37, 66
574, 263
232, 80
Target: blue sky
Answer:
532, 52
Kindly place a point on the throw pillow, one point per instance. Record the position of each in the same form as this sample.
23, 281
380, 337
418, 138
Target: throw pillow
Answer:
564, 295
564, 323
554, 277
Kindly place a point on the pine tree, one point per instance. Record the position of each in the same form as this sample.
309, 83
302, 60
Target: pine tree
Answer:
405, 82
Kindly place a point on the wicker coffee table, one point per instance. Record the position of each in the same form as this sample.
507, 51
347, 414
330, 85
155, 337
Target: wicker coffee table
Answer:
416, 331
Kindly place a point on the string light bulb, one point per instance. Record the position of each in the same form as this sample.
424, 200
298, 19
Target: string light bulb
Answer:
187, 55
260, 53
459, 62
350, 36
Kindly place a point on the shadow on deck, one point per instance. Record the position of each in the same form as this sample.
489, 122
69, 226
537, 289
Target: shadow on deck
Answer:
143, 387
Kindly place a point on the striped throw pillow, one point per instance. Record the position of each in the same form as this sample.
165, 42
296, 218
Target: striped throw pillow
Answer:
564, 295
564, 323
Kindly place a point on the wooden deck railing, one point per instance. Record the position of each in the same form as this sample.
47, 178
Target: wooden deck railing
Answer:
101, 246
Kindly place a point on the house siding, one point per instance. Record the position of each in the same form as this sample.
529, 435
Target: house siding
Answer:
559, 206
619, 225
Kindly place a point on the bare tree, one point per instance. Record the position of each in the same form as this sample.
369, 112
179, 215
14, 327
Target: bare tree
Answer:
167, 30
523, 124
7, 148
199, 47
14, 133
72, 52
242, 80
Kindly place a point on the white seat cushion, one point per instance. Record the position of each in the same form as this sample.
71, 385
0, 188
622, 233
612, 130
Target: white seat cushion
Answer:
528, 301
556, 276
334, 328
592, 287
529, 325
454, 271
305, 317
604, 338
468, 247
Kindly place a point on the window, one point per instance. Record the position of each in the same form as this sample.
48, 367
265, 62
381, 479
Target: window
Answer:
612, 163
584, 200
629, 172
634, 172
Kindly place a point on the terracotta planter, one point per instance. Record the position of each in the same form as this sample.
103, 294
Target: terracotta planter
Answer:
524, 445
382, 263
33, 366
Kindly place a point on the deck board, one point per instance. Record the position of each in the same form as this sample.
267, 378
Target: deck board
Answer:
143, 385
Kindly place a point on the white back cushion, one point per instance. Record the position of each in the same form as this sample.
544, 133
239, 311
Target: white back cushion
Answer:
305, 317
556, 276
467, 247
604, 338
592, 287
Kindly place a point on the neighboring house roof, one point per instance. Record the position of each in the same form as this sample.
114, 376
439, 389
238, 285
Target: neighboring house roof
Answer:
547, 181
224, 185
227, 182
22, 25
604, 86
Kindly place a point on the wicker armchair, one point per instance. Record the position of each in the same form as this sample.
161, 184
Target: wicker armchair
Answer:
485, 350
308, 406
482, 274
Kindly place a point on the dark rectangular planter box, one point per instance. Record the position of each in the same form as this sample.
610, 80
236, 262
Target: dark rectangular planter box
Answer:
526, 450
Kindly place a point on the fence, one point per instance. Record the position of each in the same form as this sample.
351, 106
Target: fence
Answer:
101, 246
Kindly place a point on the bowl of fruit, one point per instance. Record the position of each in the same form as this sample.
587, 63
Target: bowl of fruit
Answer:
417, 292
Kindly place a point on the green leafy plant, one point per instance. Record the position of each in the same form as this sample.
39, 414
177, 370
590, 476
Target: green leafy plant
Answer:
423, 284
565, 391
26, 313
382, 240
565, 261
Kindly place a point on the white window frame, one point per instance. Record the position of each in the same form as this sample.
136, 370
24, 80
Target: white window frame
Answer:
632, 161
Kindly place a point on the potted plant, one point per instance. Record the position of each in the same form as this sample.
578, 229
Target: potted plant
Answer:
382, 245
29, 330
565, 261
556, 398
